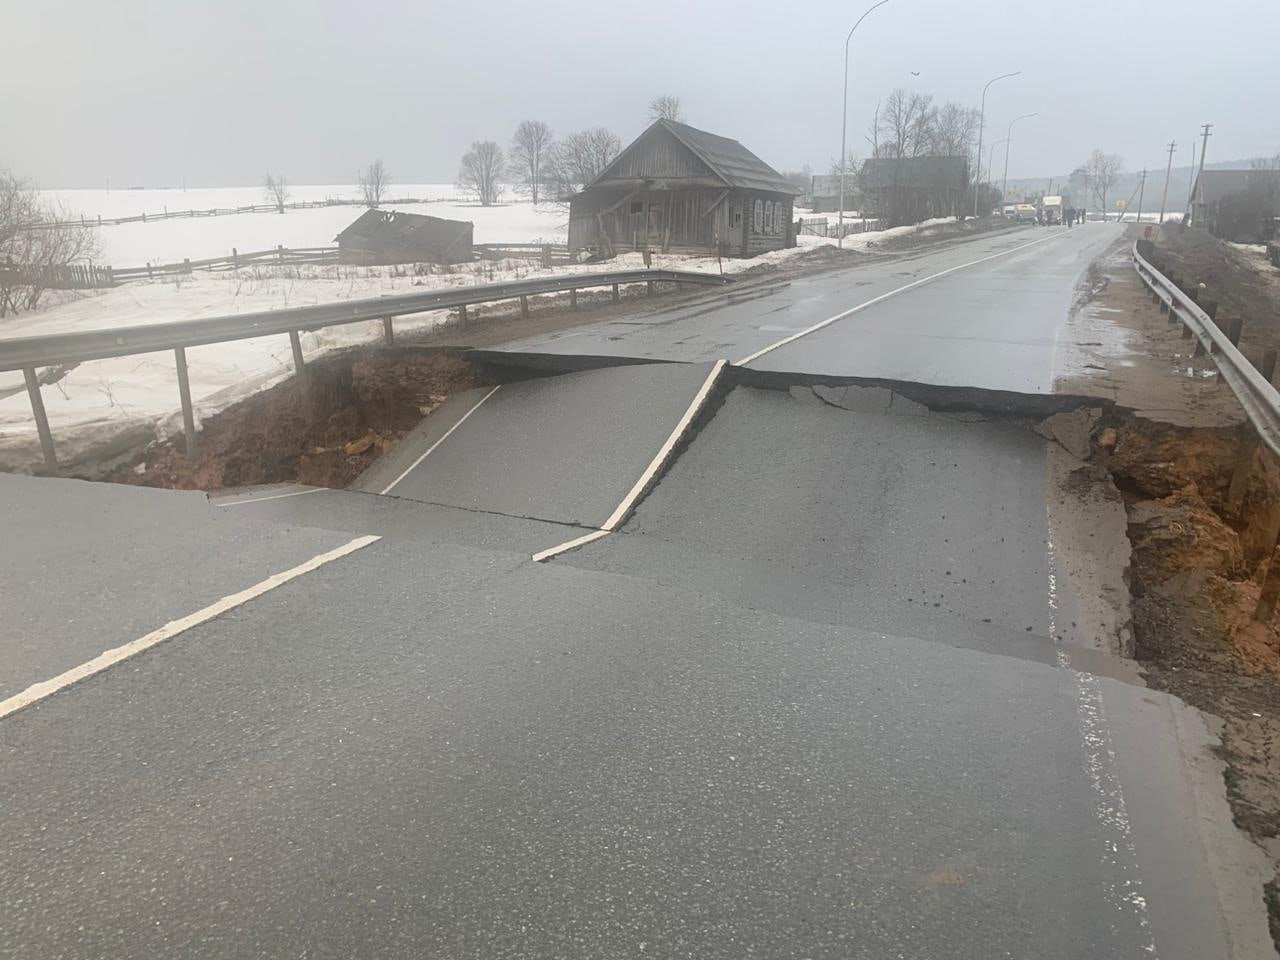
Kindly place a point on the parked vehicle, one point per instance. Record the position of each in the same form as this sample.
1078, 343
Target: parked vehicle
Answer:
1024, 213
1054, 210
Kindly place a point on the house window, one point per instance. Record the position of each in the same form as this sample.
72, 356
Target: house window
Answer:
757, 219
637, 206
768, 216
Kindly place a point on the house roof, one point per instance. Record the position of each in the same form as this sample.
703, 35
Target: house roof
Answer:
728, 160
382, 228
880, 173
1214, 185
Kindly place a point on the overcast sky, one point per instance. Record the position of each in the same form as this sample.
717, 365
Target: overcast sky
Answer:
146, 93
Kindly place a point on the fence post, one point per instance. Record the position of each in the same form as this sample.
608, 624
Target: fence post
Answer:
388, 332
42, 419
299, 369
1268, 364
1234, 329
184, 392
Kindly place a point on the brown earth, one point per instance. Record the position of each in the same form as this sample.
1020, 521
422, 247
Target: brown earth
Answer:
1171, 444
1242, 282
361, 402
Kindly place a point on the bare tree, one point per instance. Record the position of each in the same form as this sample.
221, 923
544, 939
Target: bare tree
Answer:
374, 183
906, 122
481, 167
953, 130
1102, 171
666, 106
579, 158
276, 189
35, 240
530, 151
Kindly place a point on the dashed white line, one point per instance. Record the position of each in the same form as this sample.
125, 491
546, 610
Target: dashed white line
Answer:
431, 449
651, 471
885, 296
46, 688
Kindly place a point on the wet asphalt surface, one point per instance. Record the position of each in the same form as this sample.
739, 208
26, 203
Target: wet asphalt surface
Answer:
807, 703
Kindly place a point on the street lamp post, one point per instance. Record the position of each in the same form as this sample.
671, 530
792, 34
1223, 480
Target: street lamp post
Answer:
844, 116
991, 161
1004, 185
982, 119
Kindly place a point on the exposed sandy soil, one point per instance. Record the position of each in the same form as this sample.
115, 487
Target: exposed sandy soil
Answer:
1171, 445
1240, 280
361, 403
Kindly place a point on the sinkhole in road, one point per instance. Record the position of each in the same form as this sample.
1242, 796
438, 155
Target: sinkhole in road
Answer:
356, 406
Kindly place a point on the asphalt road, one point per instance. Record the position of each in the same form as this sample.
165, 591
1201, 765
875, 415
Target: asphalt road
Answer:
815, 699
991, 322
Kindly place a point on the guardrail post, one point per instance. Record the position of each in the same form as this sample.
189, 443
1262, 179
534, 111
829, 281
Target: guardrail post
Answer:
300, 369
649, 286
388, 331
616, 296
1234, 329
184, 392
462, 315
42, 419
186, 264
235, 258
1240, 474
1266, 607
1268, 364
573, 299
524, 307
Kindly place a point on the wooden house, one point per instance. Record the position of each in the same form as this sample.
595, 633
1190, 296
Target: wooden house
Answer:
911, 189
681, 190
1236, 204
388, 236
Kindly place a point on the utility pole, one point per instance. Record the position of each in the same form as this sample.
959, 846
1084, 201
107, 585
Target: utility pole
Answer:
1142, 189
1204, 147
1167, 171
1191, 189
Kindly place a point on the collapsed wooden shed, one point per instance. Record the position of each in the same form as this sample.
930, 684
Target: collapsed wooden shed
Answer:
388, 236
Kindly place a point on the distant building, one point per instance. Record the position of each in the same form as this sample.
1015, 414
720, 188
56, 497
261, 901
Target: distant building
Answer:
911, 189
1236, 204
388, 236
680, 190
824, 192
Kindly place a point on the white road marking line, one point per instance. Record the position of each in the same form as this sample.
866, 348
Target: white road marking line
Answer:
568, 545
274, 496
651, 471
431, 449
1122, 884
46, 688
885, 296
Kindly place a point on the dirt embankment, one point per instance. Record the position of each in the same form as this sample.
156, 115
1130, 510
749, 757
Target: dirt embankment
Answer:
1201, 546
1231, 277
359, 404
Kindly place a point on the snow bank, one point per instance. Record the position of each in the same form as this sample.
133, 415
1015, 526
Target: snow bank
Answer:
125, 400
196, 238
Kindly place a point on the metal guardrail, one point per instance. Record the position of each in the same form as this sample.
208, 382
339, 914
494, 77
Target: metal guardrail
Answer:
1260, 400
28, 353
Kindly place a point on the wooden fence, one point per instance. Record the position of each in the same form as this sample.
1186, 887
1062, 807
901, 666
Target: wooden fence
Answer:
91, 276
168, 214
822, 227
